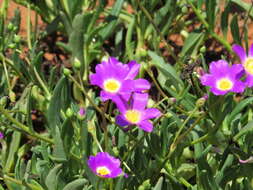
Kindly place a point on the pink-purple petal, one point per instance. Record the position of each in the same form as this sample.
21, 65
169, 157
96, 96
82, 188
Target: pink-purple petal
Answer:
120, 120
251, 51
146, 125
151, 113
127, 86
208, 80
113, 61
249, 81
218, 92
106, 95
219, 70
240, 52
238, 87
141, 84
237, 70
115, 173
92, 163
103, 159
123, 73
134, 68
139, 101
96, 80
121, 103
100, 68
220, 66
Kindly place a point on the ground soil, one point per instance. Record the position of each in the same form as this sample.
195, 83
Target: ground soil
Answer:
176, 38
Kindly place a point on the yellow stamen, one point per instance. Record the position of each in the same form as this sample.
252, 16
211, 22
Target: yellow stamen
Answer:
111, 85
133, 116
224, 84
248, 65
103, 170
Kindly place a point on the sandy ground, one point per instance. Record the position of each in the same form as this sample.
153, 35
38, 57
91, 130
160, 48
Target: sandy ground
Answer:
175, 38
24, 14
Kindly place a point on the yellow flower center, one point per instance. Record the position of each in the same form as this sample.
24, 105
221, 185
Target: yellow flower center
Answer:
111, 85
224, 84
133, 116
248, 65
103, 170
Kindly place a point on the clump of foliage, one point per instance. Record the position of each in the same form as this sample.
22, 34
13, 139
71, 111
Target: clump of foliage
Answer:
150, 94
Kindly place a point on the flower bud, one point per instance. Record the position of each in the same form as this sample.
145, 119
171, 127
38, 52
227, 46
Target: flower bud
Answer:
12, 45
115, 151
184, 9
81, 114
36, 94
150, 103
91, 127
168, 115
69, 113
146, 184
249, 160
200, 71
10, 26
187, 153
15, 28
144, 65
200, 102
1, 135
77, 64
203, 49
142, 52
184, 33
3, 101
66, 72
12, 96
17, 38
172, 100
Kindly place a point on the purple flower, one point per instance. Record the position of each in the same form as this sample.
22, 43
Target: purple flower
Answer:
1, 135
81, 111
116, 78
247, 62
136, 113
104, 165
224, 78
249, 160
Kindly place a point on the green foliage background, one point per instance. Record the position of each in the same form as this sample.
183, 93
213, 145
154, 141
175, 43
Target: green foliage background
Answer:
195, 145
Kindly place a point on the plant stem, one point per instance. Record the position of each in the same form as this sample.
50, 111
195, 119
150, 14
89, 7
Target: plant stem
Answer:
36, 26
23, 128
181, 137
111, 184
40, 81
95, 106
175, 142
92, 131
245, 22
6, 75
98, 183
201, 139
29, 26
18, 182
124, 15
89, 99
11, 64
206, 25
150, 73
3, 10
206, 136
149, 17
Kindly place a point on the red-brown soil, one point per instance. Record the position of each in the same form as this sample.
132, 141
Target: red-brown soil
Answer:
176, 38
